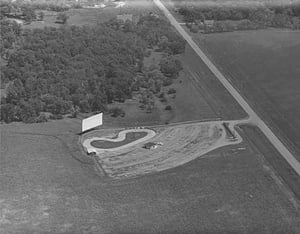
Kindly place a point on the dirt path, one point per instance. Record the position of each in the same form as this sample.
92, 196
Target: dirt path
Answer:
254, 118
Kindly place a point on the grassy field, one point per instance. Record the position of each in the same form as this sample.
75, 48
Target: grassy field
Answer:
225, 3
264, 66
272, 156
94, 16
44, 190
201, 78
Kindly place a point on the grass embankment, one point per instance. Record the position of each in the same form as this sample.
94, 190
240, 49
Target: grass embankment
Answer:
273, 158
129, 137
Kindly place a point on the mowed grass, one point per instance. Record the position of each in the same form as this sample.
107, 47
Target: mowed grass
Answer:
45, 190
129, 137
264, 66
202, 80
135, 116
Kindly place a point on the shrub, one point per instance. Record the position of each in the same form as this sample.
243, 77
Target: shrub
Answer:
58, 116
171, 91
168, 107
117, 111
41, 118
163, 99
149, 108
167, 82
194, 29
161, 95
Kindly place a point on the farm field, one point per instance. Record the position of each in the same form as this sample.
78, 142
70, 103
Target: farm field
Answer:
218, 98
230, 2
44, 190
263, 65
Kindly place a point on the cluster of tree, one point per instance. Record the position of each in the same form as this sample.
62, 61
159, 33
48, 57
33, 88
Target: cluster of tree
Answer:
50, 7
117, 111
156, 31
15, 8
74, 69
262, 16
29, 11
170, 66
62, 18
9, 34
146, 100
24, 12
59, 70
154, 78
223, 26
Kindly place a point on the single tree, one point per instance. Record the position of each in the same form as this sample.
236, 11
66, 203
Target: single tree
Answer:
62, 18
41, 16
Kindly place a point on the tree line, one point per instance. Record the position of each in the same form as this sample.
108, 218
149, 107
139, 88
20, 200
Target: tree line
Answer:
75, 69
287, 16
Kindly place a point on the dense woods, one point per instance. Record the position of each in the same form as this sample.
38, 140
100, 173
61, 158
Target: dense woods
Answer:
81, 69
9, 34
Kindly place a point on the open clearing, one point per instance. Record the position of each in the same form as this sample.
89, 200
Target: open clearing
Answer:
181, 144
264, 66
94, 16
44, 190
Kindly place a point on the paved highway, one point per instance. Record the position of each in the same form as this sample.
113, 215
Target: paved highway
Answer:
254, 118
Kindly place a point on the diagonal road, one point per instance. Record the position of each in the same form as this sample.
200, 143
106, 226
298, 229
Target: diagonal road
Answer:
254, 118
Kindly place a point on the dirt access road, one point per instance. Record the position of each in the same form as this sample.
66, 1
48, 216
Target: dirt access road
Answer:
254, 118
